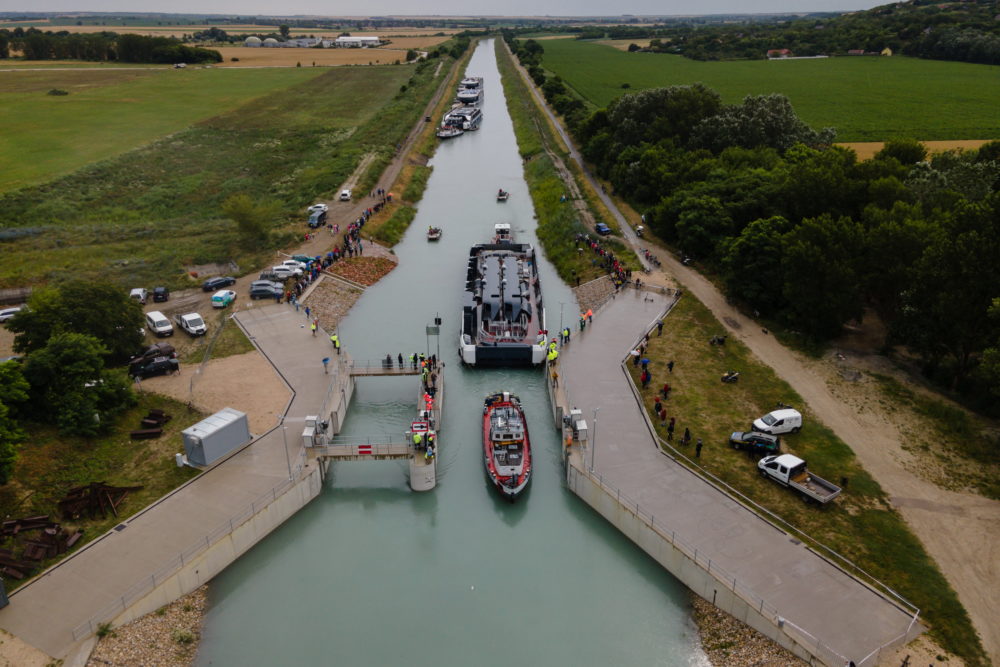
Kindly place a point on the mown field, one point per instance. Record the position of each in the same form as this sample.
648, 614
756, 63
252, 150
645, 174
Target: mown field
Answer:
865, 98
108, 112
146, 215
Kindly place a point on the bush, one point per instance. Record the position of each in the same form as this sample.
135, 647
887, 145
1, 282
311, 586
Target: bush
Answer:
57, 91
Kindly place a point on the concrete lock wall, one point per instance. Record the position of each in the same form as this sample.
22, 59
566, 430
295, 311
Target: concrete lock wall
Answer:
683, 567
227, 549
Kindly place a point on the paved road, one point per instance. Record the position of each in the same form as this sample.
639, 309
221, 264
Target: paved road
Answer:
44, 612
805, 589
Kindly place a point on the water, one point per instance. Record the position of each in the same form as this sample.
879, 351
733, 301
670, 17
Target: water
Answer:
371, 573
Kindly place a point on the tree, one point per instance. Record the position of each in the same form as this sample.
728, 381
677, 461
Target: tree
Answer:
411, 55
101, 310
284, 30
752, 264
702, 223
13, 393
907, 151
990, 368
822, 263
761, 120
70, 387
252, 218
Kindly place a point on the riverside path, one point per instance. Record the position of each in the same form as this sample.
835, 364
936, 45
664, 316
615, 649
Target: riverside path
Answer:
810, 594
55, 611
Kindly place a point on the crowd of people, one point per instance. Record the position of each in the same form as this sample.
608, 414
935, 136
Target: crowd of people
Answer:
604, 257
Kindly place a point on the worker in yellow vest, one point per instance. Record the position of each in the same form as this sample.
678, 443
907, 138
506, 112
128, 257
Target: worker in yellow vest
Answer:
418, 440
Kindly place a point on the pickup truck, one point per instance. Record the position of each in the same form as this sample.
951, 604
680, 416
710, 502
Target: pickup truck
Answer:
791, 471
191, 323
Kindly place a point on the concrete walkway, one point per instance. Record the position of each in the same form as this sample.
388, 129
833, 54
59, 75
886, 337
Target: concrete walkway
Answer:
806, 590
45, 612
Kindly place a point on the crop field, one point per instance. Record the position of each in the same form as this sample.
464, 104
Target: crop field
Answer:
108, 112
865, 98
248, 29
308, 57
146, 215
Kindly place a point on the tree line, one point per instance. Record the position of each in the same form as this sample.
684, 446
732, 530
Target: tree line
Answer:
35, 44
802, 232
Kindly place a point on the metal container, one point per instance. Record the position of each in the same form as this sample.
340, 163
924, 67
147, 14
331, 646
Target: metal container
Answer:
215, 437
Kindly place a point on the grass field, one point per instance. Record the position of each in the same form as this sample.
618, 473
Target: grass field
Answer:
861, 524
108, 112
865, 98
146, 215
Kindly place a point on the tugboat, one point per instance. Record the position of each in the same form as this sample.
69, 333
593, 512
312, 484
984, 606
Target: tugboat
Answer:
503, 322
447, 132
506, 449
433, 233
502, 195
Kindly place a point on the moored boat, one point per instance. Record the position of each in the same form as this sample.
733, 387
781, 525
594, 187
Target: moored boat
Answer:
448, 132
506, 447
503, 322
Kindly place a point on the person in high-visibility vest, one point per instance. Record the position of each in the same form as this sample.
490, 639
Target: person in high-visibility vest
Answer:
431, 439
413, 360
336, 342
553, 354
429, 453
418, 440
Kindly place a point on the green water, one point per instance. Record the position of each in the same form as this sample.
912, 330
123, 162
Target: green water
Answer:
371, 573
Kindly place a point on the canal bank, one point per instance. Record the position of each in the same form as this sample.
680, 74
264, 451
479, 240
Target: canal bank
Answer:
357, 575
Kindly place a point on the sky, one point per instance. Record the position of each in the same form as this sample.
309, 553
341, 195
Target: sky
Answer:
439, 7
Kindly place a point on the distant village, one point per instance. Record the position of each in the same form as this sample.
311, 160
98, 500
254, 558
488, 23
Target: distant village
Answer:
342, 42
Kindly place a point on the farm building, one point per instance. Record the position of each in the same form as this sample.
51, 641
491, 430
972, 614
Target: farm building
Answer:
271, 42
253, 42
357, 42
778, 53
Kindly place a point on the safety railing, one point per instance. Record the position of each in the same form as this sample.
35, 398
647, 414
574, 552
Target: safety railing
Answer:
143, 587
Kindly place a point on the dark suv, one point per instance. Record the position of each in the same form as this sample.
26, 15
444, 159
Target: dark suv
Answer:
317, 219
161, 294
154, 366
217, 283
756, 443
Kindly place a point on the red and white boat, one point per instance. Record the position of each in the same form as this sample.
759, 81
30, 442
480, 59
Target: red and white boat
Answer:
506, 449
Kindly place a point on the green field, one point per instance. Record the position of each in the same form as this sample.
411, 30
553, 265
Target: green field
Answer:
865, 98
108, 112
148, 214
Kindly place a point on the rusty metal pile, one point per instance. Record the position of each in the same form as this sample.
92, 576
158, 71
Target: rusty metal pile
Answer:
51, 540
93, 499
151, 426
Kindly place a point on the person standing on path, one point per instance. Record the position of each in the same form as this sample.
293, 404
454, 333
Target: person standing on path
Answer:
670, 427
697, 449
670, 366
659, 327
400, 360
335, 339
687, 435
313, 328
307, 312
326, 365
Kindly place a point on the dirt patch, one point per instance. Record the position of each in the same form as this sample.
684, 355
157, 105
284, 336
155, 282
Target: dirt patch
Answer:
167, 636
732, 643
866, 150
227, 382
261, 57
623, 44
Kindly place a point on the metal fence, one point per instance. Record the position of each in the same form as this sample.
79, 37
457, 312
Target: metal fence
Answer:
142, 588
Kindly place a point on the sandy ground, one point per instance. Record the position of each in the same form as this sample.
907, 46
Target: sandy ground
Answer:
15, 653
866, 149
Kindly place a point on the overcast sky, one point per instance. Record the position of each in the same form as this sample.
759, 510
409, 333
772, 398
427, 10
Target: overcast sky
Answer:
446, 7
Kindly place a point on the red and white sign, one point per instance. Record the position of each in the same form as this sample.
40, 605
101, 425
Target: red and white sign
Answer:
364, 449
419, 427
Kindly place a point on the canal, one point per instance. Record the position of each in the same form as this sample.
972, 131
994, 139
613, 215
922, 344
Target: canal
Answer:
371, 573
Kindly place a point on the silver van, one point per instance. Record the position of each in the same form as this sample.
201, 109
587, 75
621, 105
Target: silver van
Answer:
158, 323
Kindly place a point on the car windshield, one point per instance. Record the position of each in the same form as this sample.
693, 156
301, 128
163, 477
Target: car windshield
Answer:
196, 322
768, 419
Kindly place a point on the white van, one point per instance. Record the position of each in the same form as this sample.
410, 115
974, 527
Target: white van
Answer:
779, 421
158, 323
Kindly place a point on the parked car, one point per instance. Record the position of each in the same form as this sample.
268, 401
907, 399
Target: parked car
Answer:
265, 290
158, 324
191, 323
139, 294
295, 264
273, 284
160, 349
317, 219
791, 471
305, 259
161, 294
223, 298
785, 420
216, 283
284, 272
602, 229
154, 366
756, 443
318, 207
8, 313
345, 195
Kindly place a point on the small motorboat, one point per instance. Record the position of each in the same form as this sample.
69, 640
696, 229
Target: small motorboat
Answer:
449, 132
506, 448
433, 233
502, 195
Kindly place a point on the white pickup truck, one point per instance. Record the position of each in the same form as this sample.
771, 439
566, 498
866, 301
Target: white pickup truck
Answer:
791, 471
192, 323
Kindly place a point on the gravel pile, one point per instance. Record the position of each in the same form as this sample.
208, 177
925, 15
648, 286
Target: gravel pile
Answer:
589, 294
731, 643
168, 636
